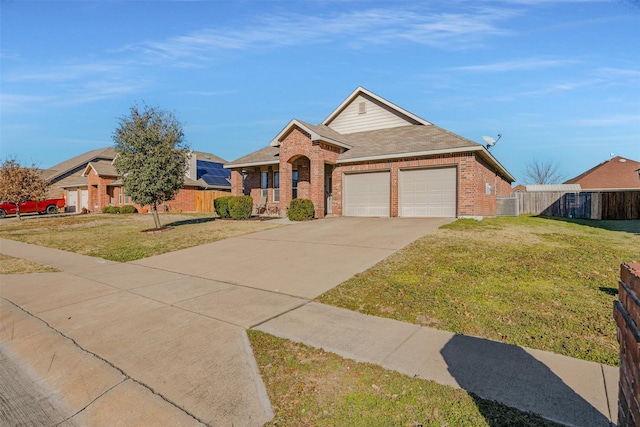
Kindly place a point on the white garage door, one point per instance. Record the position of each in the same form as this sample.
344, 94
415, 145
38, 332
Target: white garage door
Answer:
367, 194
72, 200
428, 193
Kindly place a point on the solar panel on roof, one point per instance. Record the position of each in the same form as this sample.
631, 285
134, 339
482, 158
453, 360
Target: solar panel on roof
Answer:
213, 173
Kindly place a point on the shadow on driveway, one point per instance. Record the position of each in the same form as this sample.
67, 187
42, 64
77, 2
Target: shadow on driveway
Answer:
510, 375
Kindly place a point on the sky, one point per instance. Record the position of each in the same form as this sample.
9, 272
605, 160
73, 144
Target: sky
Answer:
558, 79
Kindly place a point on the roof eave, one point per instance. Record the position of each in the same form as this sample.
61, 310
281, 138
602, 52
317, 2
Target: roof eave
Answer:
478, 148
250, 164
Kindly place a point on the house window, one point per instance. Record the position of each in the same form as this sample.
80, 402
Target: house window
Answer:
294, 184
276, 186
264, 183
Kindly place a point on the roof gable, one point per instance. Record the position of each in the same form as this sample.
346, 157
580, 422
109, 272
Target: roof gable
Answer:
364, 111
616, 173
78, 163
318, 133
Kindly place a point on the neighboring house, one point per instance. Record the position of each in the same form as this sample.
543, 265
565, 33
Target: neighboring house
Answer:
617, 173
370, 157
90, 181
67, 180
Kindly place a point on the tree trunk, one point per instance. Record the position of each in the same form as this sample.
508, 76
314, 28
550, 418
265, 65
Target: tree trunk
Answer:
18, 211
156, 218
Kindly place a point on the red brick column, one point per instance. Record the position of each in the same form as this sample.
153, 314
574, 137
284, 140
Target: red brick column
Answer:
627, 315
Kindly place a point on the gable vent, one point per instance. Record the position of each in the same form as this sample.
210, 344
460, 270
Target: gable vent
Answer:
362, 107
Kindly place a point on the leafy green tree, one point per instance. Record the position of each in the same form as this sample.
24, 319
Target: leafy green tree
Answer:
151, 156
20, 184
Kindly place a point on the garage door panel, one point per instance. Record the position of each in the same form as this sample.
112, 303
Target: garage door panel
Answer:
428, 192
367, 194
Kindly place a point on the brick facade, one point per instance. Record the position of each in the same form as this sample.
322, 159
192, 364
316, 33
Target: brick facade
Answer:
101, 194
478, 187
627, 316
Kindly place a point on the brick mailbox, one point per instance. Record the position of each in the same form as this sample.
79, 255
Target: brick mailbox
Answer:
627, 315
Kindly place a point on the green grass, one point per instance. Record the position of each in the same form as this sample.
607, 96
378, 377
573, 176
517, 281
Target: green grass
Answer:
121, 237
310, 387
529, 281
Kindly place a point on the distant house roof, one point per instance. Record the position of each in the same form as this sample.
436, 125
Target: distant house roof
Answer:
618, 173
554, 187
62, 170
210, 173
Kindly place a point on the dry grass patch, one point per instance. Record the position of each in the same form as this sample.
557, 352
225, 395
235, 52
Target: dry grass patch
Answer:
120, 237
529, 281
11, 265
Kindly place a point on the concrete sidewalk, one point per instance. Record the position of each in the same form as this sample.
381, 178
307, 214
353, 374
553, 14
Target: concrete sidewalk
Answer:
170, 331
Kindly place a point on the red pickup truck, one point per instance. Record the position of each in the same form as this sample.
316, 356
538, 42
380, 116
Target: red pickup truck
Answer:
49, 206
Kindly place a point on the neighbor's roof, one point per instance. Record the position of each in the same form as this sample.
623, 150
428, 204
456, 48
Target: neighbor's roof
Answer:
208, 157
102, 168
617, 173
78, 162
554, 187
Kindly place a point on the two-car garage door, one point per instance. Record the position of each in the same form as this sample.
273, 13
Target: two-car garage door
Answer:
422, 193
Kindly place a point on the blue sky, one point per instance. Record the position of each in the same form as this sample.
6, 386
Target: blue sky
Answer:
560, 80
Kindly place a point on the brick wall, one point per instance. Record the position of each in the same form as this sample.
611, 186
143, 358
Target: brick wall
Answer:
627, 315
478, 184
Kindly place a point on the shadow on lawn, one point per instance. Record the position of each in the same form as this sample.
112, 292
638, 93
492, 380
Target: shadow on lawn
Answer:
190, 221
509, 375
631, 226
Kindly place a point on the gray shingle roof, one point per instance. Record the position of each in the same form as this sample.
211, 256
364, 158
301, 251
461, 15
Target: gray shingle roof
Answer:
262, 156
376, 143
402, 140
79, 162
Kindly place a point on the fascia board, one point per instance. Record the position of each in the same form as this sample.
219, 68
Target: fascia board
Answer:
481, 149
251, 164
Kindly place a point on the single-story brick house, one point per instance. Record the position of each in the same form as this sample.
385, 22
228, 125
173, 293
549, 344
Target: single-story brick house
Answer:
370, 157
617, 173
90, 181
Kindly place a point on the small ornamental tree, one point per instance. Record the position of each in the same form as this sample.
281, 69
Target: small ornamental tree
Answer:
542, 172
20, 184
151, 156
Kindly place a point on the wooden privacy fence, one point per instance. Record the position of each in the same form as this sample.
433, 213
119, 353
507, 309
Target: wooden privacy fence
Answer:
204, 199
585, 205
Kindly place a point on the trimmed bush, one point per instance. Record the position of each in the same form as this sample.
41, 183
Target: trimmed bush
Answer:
221, 205
300, 210
240, 207
128, 209
111, 209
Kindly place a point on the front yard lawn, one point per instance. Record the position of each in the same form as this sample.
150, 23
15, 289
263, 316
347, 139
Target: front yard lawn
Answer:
120, 237
541, 283
310, 387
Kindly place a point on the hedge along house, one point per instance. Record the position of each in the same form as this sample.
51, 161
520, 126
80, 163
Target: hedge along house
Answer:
370, 157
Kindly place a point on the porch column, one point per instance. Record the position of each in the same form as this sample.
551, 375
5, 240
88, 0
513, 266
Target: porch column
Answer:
236, 182
286, 192
317, 186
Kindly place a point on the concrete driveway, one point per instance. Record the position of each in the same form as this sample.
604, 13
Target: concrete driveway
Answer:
302, 260
168, 332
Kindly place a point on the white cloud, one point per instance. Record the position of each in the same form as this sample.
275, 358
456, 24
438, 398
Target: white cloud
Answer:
517, 65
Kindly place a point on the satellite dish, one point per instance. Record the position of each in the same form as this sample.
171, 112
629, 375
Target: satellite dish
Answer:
490, 141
